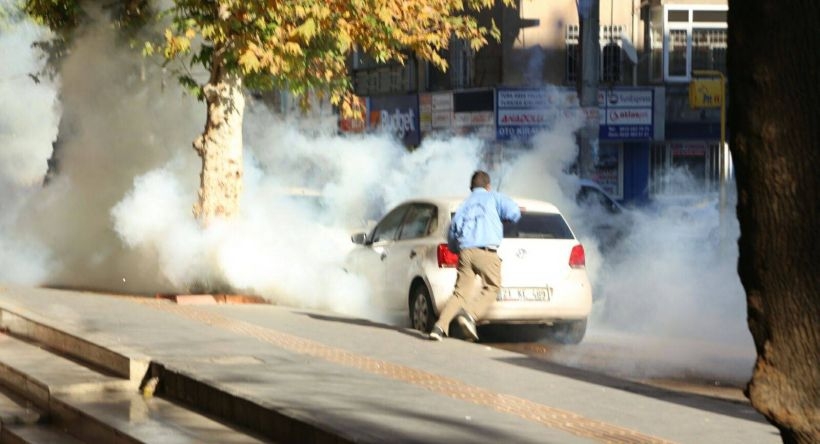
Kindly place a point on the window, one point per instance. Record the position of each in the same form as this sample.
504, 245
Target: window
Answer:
677, 50
684, 167
695, 39
612, 63
590, 197
709, 49
419, 222
572, 38
461, 63
538, 226
389, 225
656, 73
611, 67
611, 53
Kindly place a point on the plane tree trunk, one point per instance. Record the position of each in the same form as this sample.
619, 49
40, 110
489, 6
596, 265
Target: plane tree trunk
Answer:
774, 121
220, 145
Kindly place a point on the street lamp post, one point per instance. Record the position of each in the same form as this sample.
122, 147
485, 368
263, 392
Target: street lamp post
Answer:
589, 18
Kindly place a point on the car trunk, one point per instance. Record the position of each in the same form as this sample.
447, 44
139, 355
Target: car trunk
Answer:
536, 250
534, 263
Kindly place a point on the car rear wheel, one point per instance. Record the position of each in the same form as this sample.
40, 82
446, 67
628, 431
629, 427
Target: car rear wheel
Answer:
422, 316
570, 332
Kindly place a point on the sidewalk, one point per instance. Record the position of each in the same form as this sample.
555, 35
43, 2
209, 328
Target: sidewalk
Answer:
288, 374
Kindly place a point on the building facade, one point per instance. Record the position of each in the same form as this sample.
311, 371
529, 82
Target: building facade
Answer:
650, 52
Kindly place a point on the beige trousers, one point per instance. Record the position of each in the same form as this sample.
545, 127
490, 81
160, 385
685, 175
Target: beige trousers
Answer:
472, 262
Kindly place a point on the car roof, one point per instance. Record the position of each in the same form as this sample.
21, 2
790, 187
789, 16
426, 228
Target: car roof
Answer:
453, 202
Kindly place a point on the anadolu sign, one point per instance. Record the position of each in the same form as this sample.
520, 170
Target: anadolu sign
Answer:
523, 112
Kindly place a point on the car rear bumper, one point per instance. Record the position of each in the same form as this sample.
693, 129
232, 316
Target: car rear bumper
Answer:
572, 300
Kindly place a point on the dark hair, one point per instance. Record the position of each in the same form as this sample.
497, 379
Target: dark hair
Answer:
480, 180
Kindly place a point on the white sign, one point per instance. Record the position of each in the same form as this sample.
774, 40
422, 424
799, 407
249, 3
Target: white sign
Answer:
442, 102
476, 118
530, 98
442, 119
526, 117
628, 99
629, 116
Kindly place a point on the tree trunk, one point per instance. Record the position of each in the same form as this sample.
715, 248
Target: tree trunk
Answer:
774, 120
220, 145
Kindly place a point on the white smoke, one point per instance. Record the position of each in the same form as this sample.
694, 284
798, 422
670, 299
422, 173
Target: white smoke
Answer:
669, 295
28, 125
117, 215
284, 245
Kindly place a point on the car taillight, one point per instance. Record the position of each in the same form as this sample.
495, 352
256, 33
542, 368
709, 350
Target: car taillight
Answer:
577, 258
446, 258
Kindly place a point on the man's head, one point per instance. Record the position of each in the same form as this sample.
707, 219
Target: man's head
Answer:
480, 180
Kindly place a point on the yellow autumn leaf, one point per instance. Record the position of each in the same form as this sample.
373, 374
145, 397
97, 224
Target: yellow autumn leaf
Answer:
249, 62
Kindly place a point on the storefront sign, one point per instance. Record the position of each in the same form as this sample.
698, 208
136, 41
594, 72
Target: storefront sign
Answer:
626, 114
522, 113
473, 113
705, 93
436, 111
398, 115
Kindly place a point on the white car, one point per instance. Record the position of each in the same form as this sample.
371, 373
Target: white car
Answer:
544, 280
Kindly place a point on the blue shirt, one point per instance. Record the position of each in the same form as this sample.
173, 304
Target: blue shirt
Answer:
477, 222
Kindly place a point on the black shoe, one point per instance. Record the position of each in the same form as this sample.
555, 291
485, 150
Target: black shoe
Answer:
467, 325
436, 334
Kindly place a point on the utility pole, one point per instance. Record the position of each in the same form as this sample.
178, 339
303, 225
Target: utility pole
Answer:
589, 12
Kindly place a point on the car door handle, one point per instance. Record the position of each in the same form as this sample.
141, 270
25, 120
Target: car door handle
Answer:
412, 254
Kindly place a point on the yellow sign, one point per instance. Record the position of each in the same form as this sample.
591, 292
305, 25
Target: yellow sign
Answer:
705, 93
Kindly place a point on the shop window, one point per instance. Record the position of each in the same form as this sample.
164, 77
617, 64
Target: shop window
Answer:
681, 168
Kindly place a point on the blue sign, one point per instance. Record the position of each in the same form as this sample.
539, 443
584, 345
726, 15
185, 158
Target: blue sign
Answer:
398, 115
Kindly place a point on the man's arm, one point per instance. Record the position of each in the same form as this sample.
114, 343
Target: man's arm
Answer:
452, 235
508, 209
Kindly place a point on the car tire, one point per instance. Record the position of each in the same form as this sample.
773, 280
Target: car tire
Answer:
570, 332
422, 313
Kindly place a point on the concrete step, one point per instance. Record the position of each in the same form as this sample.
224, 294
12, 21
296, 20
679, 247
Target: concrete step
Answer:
14, 411
43, 433
36, 374
128, 417
94, 407
132, 366
179, 387
21, 423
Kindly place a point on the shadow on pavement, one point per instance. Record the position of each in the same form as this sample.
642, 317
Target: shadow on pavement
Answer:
365, 323
720, 406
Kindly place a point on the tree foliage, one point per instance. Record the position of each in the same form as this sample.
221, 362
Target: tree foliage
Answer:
304, 45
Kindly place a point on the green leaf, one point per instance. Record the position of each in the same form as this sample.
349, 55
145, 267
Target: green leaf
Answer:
307, 29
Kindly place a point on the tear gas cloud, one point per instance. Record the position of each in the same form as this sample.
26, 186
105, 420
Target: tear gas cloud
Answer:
117, 215
28, 125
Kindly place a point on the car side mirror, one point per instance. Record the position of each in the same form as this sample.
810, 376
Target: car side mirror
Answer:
359, 238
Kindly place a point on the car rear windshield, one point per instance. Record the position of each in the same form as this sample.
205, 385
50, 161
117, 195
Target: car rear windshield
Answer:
538, 226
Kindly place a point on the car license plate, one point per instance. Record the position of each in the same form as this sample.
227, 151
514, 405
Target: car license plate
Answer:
525, 294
